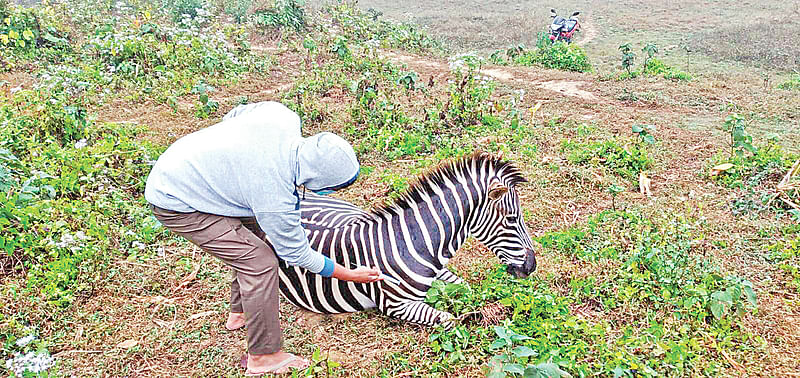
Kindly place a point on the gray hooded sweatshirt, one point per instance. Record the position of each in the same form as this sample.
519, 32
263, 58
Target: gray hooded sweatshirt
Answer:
251, 164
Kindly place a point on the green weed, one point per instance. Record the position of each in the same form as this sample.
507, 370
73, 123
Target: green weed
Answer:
652, 66
359, 25
27, 34
284, 14
625, 160
60, 194
628, 57
755, 171
559, 55
791, 84
656, 67
786, 255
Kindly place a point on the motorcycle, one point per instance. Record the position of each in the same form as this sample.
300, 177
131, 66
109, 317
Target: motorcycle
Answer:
562, 29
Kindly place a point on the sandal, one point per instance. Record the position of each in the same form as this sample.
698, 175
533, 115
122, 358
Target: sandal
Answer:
279, 368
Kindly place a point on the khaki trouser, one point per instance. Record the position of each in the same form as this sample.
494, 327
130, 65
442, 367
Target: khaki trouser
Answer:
240, 243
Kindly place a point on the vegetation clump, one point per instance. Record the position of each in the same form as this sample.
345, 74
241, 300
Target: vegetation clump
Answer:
754, 171
559, 55
370, 28
652, 65
791, 84
625, 160
649, 264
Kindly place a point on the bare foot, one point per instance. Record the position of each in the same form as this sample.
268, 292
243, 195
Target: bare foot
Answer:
235, 321
278, 363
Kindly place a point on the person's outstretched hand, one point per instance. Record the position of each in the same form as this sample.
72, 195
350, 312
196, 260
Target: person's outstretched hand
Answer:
360, 274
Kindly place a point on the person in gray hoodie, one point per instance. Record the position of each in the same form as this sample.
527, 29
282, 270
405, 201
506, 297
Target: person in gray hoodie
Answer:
232, 189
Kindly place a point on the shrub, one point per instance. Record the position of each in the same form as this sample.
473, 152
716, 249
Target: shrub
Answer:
559, 55
756, 175
24, 33
166, 61
626, 161
656, 67
791, 84
369, 28
628, 57
285, 14
62, 198
183, 8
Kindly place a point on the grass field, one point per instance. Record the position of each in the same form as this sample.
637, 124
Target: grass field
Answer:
651, 262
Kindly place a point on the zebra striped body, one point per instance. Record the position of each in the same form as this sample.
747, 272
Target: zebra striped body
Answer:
412, 239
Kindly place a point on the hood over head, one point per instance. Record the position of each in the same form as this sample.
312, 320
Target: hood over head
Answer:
326, 161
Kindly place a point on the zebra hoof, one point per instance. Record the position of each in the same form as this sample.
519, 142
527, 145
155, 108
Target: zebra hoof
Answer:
445, 320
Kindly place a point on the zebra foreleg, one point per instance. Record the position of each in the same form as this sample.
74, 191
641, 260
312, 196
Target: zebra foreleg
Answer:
447, 276
419, 312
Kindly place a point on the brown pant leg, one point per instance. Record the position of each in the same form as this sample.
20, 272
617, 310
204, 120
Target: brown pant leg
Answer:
236, 297
254, 262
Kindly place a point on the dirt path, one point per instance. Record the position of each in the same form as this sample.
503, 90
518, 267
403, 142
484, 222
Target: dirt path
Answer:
588, 31
514, 76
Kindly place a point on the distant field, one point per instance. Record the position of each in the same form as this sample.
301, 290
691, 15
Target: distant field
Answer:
763, 33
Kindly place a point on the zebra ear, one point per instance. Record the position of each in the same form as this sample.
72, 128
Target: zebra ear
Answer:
497, 191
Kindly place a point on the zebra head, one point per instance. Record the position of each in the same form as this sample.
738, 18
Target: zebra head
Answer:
499, 223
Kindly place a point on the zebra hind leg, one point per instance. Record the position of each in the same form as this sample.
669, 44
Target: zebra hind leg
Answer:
421, 313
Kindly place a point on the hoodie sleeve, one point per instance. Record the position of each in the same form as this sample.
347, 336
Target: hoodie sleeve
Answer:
284, 231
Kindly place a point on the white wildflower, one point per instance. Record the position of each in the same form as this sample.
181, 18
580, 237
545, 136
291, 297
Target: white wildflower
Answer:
81, 143
30, 362
25, 340
139, 245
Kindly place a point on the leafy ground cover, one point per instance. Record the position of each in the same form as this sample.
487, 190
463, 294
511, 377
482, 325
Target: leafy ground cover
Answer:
696, 275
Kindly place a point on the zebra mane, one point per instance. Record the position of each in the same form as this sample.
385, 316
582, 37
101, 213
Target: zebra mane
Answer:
450, 170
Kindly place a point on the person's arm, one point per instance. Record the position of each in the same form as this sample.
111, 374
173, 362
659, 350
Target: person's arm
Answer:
361, 274
288, 238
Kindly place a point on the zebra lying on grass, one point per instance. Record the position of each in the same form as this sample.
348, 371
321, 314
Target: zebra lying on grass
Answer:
412, 239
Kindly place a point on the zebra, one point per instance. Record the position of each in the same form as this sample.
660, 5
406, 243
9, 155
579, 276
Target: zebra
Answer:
412, 239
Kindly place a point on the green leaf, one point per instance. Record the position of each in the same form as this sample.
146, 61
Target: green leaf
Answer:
7, 156
514, 369
448, 346
309, 44
717, 308
316, 356
751, 295
497, 344
523, 351
649, 139
497, 374
501, 331
722, 296
517, 337
545, 370
637, 128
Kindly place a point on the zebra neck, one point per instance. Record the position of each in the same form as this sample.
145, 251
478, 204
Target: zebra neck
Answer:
434, 223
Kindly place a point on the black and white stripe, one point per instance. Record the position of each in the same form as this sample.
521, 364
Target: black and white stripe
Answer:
412, 239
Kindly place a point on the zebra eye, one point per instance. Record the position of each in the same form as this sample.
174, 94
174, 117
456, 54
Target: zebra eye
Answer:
512, 218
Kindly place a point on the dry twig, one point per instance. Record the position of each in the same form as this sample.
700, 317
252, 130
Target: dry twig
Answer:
785, 186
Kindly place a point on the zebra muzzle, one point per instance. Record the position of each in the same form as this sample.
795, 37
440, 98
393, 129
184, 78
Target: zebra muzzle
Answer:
525, 269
